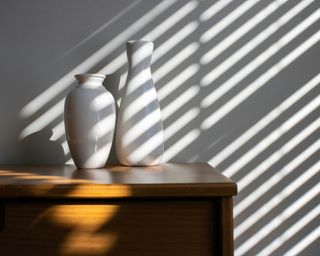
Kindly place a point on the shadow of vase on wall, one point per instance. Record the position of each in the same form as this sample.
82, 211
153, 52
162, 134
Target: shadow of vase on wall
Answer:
38, 148
139, 131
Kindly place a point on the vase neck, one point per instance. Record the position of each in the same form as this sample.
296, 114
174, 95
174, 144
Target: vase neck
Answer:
139, 55
90, 80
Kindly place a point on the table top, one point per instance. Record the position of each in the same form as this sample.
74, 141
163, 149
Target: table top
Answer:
65, 181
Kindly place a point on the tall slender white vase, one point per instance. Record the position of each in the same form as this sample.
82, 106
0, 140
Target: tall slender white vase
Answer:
139, 132
89, 116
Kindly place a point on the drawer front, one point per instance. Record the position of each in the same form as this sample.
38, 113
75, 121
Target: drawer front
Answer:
160, 227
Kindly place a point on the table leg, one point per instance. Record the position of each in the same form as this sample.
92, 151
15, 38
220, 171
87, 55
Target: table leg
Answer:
226, 226
2, 215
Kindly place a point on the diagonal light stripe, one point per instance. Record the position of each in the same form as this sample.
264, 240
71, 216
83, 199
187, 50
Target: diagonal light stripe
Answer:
103, 27
99, 130
159, 52
180, 101
213, 10
226, 21
139, 79
181, 122
249, 46
189, 28
181, 144
44, 120
144, 149
273, 136
262, 123
174, 62
168, 23
65, 147
146, 97
276, 222
63, 83
267, 186
155, 33
140, 127
175, 83
290, 232
174, 40
277, 155
98, 154
279, 198
304, 243
241, 31
258, 61
261, 81
69, 162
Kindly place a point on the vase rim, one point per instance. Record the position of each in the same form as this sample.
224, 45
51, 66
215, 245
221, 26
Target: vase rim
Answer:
138, 41
89, 75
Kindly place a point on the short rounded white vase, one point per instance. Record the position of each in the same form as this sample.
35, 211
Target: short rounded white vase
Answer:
89, 116
139, 132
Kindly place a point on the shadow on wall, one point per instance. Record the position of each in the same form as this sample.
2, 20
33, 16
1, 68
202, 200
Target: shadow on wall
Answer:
111, 83
37, 148
238, 86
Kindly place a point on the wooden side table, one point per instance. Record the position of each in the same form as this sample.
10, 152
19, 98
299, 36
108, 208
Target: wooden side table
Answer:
170, 209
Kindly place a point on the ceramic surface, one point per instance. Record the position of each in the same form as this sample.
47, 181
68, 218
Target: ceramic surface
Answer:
90, 116
139, 133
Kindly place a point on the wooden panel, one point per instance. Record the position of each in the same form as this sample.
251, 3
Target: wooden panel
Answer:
169, 180
2, 215
226, 226
165, 227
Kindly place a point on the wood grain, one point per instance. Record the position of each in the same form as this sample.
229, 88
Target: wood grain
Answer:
169, 209
226, 226
2, 215
166, 180
110, 228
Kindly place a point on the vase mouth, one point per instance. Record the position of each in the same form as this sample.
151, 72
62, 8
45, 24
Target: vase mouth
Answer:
89, 75
139, 42
90, 79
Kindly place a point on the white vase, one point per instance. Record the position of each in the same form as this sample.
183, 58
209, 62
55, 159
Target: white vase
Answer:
89, 117
139, 132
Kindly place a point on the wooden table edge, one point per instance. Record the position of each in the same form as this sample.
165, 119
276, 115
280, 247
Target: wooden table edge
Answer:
8, 191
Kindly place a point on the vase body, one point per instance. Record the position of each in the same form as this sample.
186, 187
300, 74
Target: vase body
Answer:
89, 117
139, 132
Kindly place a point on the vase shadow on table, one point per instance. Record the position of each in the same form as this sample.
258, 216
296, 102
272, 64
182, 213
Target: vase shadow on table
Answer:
37, 148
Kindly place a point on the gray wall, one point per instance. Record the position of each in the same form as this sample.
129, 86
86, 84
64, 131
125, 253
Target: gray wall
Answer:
255, 116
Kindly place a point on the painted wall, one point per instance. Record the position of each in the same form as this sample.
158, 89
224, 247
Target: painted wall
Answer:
238, 83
